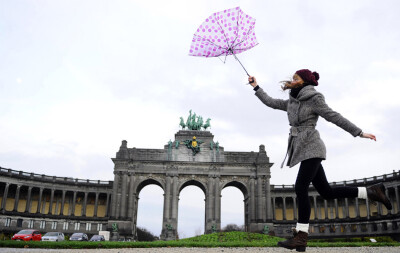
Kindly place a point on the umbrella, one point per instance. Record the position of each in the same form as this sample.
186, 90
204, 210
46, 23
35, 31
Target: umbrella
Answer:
228, 32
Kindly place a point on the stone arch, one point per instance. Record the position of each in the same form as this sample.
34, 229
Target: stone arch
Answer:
240, 185
194, 182
146, 182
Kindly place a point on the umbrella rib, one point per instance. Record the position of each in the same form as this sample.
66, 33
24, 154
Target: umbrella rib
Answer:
210, 42
244, 49
237, 31
245, 37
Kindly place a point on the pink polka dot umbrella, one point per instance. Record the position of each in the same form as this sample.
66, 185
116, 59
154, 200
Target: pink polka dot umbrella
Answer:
228, 32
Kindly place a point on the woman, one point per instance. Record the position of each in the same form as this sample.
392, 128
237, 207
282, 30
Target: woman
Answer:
305, 146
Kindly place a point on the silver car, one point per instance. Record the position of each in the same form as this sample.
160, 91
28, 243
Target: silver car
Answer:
53, 237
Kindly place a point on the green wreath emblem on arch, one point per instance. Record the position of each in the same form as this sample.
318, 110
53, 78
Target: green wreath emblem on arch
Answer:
193, 144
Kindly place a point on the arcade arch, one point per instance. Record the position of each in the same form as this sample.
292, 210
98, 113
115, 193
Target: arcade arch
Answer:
150, 206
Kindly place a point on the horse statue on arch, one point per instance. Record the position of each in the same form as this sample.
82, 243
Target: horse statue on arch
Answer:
207, 124
182, 124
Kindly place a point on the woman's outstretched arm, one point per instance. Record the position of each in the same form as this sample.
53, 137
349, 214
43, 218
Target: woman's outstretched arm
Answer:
279, 104
322, 109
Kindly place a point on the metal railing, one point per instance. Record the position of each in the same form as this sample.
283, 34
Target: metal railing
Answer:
52, 179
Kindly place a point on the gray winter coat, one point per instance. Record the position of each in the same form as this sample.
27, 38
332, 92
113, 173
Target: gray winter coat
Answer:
303, 112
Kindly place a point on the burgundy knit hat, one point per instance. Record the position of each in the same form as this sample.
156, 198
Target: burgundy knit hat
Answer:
308, 77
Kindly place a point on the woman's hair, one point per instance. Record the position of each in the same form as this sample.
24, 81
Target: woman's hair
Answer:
285, 84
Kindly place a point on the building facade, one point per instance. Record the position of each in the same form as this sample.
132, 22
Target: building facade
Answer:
49, 203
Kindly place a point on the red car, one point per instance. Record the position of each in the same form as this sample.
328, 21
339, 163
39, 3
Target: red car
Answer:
27, 235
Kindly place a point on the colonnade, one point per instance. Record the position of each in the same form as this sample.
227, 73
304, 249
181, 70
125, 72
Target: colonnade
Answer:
333, 209
54, 200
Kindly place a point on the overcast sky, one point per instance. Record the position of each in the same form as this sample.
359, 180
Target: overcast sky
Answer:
78, 77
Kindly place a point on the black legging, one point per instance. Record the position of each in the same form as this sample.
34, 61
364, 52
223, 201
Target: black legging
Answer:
311, 171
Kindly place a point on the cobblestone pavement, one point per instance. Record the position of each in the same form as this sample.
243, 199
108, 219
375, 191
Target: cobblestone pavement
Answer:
207, 250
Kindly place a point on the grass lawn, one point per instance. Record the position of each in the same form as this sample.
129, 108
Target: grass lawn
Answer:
223, 239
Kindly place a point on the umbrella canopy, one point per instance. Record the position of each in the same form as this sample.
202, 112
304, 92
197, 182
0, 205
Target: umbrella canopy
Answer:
228, 32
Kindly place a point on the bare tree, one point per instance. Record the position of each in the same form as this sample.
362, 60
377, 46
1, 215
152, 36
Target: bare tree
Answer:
145, 235
233, 227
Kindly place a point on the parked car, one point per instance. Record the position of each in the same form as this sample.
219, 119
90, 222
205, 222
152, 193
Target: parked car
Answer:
97, 238
27, 235
53, 237
79, 237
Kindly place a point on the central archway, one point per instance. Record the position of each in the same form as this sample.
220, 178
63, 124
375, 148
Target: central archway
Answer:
234, 205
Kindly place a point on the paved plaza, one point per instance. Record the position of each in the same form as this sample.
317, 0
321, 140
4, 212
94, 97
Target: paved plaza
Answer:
208, 250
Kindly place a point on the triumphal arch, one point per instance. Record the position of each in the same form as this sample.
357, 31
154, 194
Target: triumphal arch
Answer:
192, 158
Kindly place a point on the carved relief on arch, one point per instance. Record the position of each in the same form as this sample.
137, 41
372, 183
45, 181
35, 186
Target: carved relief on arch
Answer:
132, 166
172, 167
214, 168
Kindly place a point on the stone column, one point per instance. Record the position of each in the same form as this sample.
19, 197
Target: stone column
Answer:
217, 204
396, 191
73, 204
368, 211
208, 206
326, 209
83, 213
167, 196
96, 204
210, 198
260, 202
273, 209
114, 200
108, 205
284, 208
62, 202
346, 204
5, 195
124, 178
28, 200
390, 199
268, 199
294, 208
16, 202
315, 208
252, 200
336, 209
174, 201
357, 208
167, 229
51, 201
39, 200
175, 197
379, 208
132, 195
